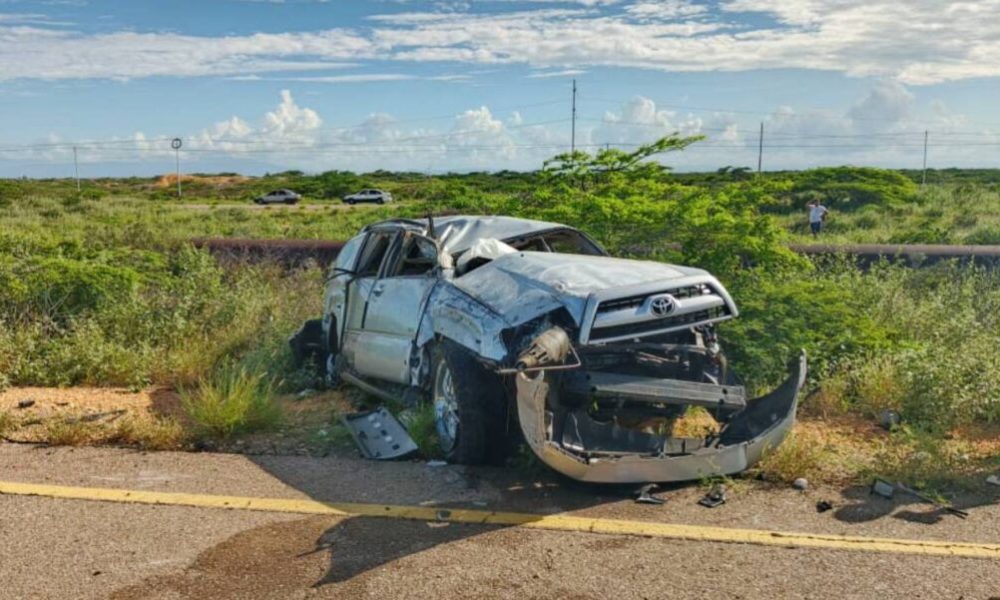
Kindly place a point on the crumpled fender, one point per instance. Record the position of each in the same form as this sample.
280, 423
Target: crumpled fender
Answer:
453, 314
763, 425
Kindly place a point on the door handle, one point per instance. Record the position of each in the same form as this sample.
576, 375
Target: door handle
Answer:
377, 290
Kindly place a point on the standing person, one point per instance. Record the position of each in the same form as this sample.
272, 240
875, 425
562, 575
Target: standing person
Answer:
817, 214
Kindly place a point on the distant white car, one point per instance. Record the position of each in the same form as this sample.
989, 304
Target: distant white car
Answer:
376, 196
278, 197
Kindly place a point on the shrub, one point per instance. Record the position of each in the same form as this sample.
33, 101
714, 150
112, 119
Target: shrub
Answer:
59, 288
232, 400
780, 315
849, 188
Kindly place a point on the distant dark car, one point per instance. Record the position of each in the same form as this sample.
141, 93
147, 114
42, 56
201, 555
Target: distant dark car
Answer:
376, 196
278, 197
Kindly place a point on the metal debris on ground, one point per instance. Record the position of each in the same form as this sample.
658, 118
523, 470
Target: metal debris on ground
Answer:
379, 435
26, 403
716, 497
644, 495
801, 484
889, 419
993, 480
823, 505
437, 463
881, 487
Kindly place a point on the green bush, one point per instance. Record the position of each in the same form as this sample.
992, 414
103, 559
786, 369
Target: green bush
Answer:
60, 288
231, 401
850, 188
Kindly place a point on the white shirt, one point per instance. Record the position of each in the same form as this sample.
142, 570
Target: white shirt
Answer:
816, 213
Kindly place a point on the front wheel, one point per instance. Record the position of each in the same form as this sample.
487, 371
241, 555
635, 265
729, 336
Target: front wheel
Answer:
468, 402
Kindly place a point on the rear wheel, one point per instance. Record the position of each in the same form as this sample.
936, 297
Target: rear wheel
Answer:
468, 405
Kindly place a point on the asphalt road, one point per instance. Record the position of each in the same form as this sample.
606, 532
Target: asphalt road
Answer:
332, 205
60, 548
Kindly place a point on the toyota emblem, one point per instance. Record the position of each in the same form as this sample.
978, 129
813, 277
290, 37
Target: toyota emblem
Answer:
662, 306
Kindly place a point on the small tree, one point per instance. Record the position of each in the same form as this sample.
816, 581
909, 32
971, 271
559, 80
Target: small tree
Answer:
586, 169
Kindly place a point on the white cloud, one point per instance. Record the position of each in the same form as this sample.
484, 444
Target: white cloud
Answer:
295, 136
640, 121
289, 119
888, 104
352, 78
912, 41
665, 9
562, 73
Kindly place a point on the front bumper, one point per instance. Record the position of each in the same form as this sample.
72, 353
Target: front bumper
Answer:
762, 425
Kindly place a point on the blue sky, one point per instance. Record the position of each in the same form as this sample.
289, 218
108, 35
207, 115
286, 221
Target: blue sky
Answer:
266, 85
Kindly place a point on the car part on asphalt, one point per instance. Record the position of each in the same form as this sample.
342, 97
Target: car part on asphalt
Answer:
644, 495
716, 497
379, 435
823, 505
993, 480
801, 484
537, 329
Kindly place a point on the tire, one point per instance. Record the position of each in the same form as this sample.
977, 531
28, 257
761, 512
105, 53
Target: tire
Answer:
308, 346
380, 201
468, 406
350, 202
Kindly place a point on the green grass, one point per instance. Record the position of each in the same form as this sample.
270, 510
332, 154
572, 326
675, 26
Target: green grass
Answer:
232, 401
420, 424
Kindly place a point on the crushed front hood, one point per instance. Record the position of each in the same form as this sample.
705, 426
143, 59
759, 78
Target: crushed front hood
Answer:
523, 285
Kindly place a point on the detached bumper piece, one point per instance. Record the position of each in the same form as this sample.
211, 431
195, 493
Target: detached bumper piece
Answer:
379, 435
574, 444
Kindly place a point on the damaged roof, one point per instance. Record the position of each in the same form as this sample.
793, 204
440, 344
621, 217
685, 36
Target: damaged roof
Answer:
457, 233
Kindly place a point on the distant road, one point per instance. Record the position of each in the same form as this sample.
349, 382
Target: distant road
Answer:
251, 206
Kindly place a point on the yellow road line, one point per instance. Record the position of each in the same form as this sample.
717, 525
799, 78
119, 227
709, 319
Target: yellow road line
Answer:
525, 520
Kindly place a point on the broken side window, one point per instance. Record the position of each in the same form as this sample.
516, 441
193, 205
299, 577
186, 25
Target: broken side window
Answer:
375, 248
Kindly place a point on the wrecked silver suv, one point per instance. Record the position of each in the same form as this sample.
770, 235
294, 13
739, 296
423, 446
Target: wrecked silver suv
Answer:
505, 324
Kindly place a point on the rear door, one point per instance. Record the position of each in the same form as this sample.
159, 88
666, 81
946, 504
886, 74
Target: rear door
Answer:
395, 307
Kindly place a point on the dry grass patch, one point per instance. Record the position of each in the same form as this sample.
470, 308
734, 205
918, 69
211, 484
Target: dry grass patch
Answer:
7, 422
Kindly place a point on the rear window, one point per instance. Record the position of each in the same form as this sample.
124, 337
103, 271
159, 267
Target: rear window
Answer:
565, 241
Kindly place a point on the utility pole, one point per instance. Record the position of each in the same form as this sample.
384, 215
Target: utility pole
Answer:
176, 144
923, 179
76, 170
572, 139
760, 148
